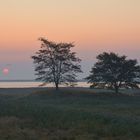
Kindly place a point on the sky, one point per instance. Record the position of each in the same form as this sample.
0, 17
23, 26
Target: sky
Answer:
94, 26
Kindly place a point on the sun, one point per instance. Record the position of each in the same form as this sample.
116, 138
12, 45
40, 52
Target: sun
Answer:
5, 71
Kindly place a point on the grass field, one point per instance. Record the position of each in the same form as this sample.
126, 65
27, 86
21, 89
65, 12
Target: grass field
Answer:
69, 114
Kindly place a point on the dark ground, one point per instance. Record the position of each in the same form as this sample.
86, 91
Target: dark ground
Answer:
69, 114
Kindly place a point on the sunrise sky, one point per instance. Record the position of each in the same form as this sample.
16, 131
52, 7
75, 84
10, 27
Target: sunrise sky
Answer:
94, 25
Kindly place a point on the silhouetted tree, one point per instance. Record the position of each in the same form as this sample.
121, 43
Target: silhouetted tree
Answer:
114, 71
55, 63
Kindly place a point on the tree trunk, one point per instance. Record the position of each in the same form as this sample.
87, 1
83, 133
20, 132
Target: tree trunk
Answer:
56, 86
116, 89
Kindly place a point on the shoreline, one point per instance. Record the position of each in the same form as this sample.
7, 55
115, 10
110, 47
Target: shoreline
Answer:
28, 90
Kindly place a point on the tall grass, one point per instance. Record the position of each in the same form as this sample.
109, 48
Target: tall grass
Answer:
69, 115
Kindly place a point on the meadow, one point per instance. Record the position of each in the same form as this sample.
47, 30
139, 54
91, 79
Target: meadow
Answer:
68, 114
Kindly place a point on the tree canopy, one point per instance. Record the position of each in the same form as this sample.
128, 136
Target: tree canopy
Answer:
56, 63
114, 71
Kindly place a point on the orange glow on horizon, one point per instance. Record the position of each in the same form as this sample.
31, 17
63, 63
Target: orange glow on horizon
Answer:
89, 24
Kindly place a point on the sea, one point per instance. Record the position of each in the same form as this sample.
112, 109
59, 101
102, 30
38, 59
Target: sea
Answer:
32, 84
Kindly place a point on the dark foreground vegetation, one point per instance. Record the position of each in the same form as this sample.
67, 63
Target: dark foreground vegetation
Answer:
69, 115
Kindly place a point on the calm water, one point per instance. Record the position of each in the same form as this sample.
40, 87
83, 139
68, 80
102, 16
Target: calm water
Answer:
33, 84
